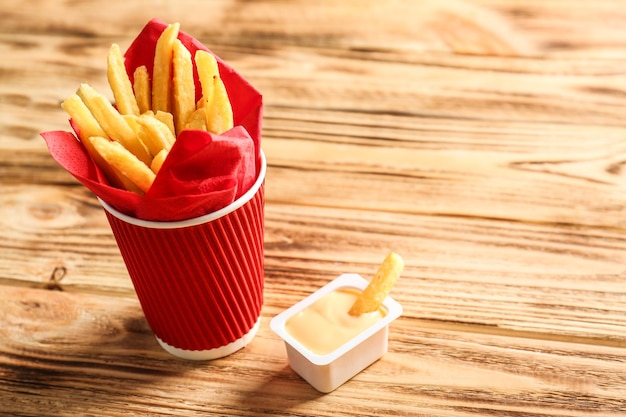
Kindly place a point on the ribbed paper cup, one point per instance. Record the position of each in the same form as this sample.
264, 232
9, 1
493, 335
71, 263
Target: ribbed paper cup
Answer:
199, 281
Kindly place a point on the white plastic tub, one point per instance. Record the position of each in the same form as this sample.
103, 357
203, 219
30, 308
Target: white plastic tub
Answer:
327, 372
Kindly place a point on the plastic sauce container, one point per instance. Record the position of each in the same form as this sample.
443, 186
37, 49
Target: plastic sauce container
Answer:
326, 372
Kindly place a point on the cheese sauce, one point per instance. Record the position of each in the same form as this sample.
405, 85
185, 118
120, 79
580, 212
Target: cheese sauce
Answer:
326, 325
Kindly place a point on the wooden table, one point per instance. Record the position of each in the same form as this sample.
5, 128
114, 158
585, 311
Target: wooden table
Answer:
484, 141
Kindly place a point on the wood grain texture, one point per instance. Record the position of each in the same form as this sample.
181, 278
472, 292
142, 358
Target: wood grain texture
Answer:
70, 353
482, 140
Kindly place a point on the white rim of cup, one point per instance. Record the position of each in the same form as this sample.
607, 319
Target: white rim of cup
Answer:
215, 353
247, 196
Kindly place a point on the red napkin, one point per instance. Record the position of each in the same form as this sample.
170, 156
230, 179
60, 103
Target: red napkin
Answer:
203, 172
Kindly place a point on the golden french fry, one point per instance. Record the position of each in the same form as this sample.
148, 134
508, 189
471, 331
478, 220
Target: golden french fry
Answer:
125, 161
112, 122
162, 71
119, 82
206, 64
124, 182
80, 114
158, 160
184, 94
219, 113
168, 120
379, 287
131, 119
133, 122
141, 87
88, 126
197, 120
154, 134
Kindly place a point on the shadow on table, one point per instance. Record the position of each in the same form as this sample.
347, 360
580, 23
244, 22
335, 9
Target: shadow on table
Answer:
70, 353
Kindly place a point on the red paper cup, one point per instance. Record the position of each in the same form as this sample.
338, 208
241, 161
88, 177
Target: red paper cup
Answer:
199, 281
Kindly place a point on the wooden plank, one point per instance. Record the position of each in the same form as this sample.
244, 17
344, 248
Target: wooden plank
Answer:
568, 28
546, 281
64, 354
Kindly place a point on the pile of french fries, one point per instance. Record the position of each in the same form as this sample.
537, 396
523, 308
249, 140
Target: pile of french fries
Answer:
130, 141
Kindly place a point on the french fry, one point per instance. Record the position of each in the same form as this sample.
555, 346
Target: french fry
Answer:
88, 126
197, 120
131, 120
158, 160
80, 114
142, 89
119, 82
127, 184
184, 94
125, 161
167, 119
154, 134
219, 113
206, 64
162, 71
379, 287
112, 122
